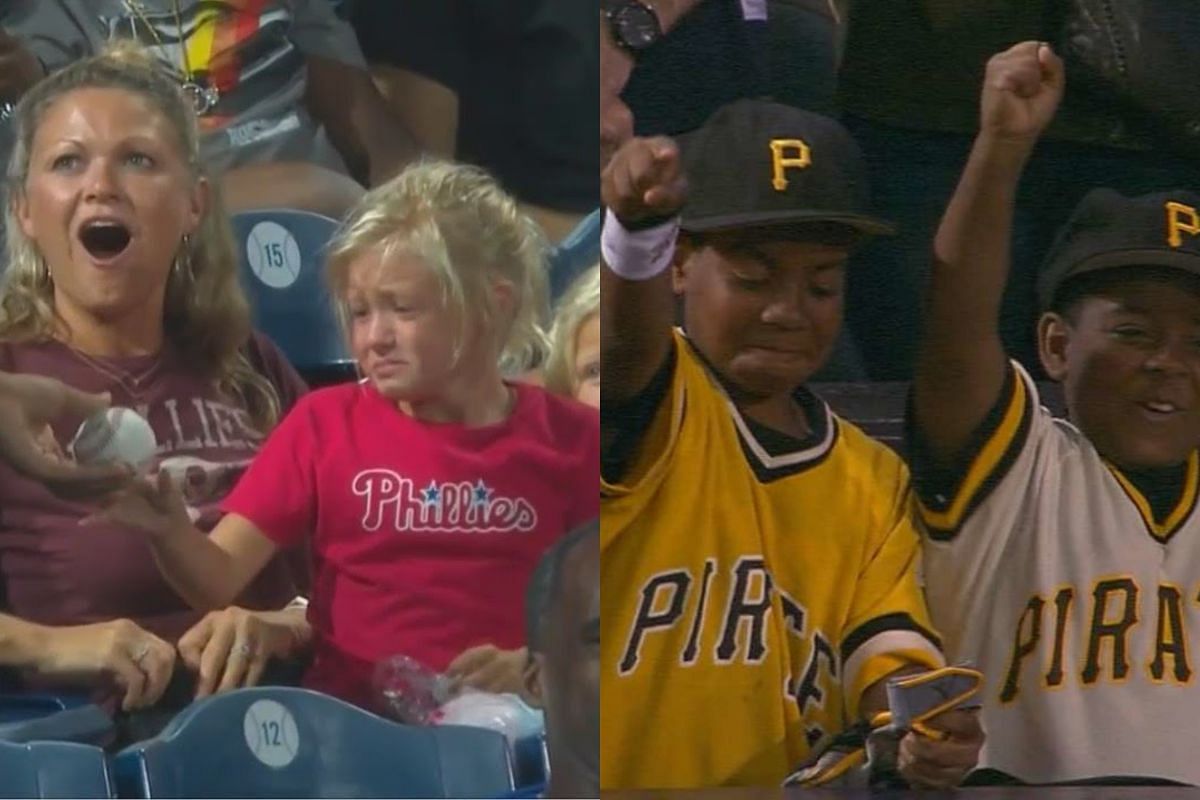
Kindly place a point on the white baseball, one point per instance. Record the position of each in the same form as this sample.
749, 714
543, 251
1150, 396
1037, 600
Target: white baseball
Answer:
115, 435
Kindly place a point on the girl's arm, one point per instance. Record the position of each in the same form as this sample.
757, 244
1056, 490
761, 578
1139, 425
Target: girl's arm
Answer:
208, 571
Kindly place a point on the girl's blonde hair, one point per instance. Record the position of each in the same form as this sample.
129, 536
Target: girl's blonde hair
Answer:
457, 221
580, 303
206, 317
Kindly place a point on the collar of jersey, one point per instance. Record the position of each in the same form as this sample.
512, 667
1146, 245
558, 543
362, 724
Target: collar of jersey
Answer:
812, 447
1163, 531
810, 450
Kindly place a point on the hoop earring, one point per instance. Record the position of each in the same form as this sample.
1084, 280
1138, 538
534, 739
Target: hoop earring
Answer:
183, 266
44, 278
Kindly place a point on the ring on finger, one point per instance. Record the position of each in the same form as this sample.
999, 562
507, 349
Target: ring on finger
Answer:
242, 649
141, 654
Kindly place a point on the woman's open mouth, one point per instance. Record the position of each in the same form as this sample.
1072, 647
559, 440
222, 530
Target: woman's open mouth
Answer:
105, 239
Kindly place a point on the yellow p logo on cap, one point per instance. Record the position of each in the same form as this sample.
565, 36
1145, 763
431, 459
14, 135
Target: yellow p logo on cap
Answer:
787, 154
1181, 219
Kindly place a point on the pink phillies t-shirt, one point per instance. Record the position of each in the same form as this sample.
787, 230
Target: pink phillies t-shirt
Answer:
54, 572
424, 536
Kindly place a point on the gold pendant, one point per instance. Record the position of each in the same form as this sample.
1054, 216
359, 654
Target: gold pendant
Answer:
204, 98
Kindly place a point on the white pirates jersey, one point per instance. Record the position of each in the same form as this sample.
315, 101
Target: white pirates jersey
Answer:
1046, 567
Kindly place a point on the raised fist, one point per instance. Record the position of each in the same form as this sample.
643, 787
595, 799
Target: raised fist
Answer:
1021, 92
644, 181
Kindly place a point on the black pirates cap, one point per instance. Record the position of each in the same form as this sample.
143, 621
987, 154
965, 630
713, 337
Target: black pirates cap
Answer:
757, 163
1108, 229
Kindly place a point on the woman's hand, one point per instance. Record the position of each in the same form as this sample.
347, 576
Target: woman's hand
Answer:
137, 660
230, 648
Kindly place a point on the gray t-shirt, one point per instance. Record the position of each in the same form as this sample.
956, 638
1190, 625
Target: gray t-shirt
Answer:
252, 51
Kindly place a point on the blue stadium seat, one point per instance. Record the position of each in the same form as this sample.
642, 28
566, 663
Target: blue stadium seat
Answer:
21, 706
282, 256
531, 761
53, 769
574, 254
272, 742
65, 718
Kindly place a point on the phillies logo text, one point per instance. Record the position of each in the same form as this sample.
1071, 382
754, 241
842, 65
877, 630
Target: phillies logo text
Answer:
439, 507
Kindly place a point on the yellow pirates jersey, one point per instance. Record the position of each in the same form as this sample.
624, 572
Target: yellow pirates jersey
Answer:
748, 599
1045, 566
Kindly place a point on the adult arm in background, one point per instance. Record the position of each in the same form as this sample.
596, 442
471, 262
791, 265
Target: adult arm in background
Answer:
961, 367
372, 140
426, 57
418, 59
616, 65
428, 107
28, 403
290, 184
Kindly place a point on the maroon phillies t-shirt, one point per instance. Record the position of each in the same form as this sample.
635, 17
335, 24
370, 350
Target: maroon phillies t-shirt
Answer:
424, 536
54, 571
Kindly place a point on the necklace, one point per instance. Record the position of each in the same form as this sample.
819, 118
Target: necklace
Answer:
134, 385
203, 97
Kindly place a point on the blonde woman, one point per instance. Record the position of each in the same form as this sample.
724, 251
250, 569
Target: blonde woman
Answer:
429, 490
121, 278
573, 368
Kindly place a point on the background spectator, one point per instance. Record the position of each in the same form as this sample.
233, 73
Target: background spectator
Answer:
802, 40
573, 367
674, 89
288, 109
909, 91
562, 608
504, 84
